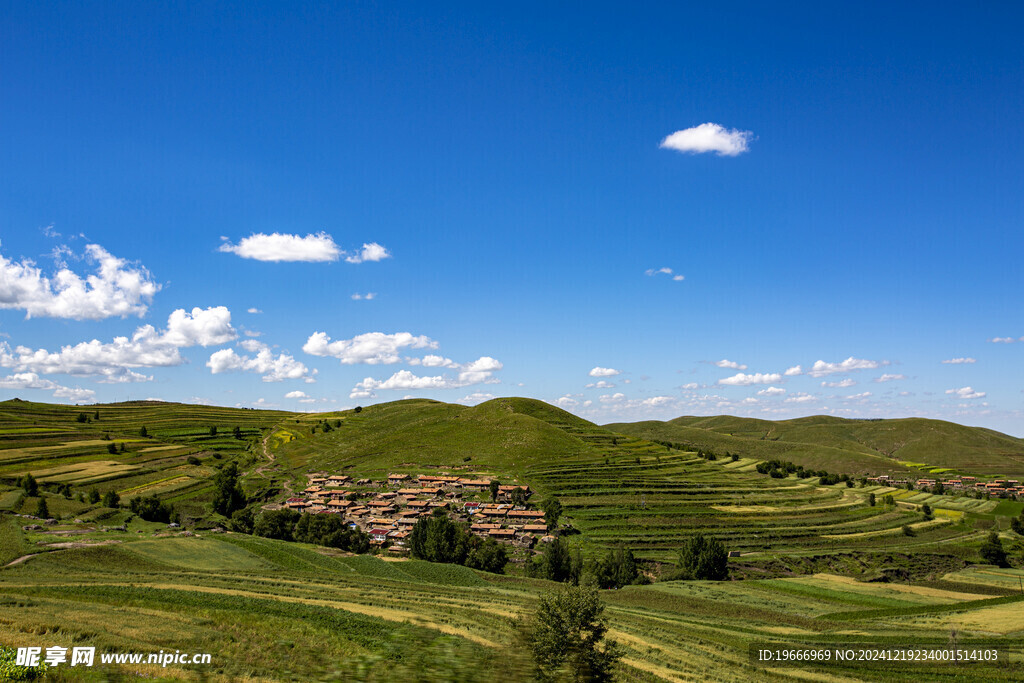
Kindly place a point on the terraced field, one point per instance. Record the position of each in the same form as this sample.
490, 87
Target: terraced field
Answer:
268, 608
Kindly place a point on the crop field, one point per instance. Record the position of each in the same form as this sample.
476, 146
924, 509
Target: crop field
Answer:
268, 608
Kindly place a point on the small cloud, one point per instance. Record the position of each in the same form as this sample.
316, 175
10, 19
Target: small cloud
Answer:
731, 364
890, 378
966, 393
793, 371
959, 361
369, 296
278, 247
604, 372
476, 397
709, 137
370, 252
603, 384
742, 379
860, 396
678, 278
771, 391
254, 311
296, 394
821, 368
1002, 340
690, 386
843, 384
800, 397
651, 272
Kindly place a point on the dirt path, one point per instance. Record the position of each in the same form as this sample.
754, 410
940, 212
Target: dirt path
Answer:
272, 464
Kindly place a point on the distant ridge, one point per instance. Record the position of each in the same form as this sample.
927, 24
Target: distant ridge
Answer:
845, 445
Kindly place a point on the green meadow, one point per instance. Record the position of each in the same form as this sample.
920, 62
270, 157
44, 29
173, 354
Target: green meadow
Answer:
812, 564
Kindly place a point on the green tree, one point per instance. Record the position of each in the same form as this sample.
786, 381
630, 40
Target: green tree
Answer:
279, 524
552, 512
992, 551
358, 409
556, 563
31, 486
519, 496
94, 496
871, 499
926, 509
112, 448
617, 569
493, 487
227, 492
703, 558
151, 509
82, 417
1017, 524
488, 556
437, 538
111, 499
242, 521
42, 511
213, 431
237, 432
567, 638
143, 433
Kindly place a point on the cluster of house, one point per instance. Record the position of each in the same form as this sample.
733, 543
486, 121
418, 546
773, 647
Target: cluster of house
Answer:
388, 509
1000, 488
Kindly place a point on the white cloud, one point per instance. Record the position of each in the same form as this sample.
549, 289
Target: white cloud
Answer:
793, 371
890, 378
771, 391
370, 252
115, 289
254, 311
146, 348
821, 368
800, 397
731, 364
205, 327
1004, 340
860, 396
689, 386
278, 247
965, 393
603, 384
959, 361
566, 402
273, 368
604, 372
656, 401
842, 384
741, 379
664, 271
296, 394
372, 348
30, 380
476, 397
709, 137
432, 361
612, 398
369, 296
479, 371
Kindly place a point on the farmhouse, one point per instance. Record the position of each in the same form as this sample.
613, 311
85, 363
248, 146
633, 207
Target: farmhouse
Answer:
504, 535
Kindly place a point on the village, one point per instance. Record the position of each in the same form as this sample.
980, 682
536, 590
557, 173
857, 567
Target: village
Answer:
997, 488
388, 509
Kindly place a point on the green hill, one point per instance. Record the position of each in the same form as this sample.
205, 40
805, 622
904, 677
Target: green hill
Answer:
841, 445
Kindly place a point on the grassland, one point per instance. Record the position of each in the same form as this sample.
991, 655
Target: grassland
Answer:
267, 609
914, 446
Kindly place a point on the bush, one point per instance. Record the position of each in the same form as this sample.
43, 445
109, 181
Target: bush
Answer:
31, 486
702, 559
279, 524
908, 530
111, 499
565, 637
42, 511
617, 569
152, 509
192, 460
992, 551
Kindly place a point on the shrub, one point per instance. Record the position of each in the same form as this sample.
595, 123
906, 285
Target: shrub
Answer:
566, 638
702, 558
111, 499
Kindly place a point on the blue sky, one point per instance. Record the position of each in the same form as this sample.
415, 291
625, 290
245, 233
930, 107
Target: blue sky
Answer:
839, 188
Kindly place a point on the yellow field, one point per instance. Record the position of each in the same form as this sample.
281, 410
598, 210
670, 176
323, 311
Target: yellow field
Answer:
84, 471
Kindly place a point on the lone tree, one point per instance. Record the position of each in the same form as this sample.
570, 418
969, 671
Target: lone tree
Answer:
42, 511
213, 431
493, 487
552, 511
871, 499
143, 433
228, 495
111, 499
703, 559
992, 551
237, 432
519, 496
31, 486
567, 638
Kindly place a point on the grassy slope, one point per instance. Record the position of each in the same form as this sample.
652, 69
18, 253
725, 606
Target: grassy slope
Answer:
276, 611
854, 446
